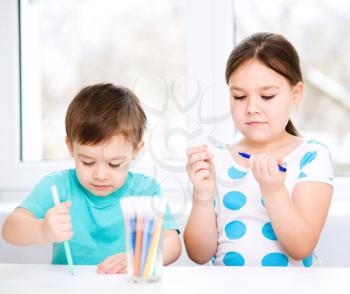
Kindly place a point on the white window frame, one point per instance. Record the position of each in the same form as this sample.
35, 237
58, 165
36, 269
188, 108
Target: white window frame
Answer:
209, 39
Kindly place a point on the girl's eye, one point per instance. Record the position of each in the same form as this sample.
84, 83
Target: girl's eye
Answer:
266, 97
88, 163
239, 97
114, 165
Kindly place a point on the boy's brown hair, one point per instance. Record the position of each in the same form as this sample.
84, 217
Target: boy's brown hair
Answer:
98, 112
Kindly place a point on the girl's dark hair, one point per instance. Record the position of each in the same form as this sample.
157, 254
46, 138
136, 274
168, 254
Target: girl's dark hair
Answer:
98, 112
272, 50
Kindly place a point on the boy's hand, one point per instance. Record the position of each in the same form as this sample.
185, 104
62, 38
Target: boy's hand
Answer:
115, 264
266, 172
200, 169
57, 226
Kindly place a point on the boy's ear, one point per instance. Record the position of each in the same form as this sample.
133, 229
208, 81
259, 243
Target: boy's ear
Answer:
138, 149
70, 146
298, 92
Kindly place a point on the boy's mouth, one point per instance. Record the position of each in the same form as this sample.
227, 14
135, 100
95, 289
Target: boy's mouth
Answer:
101, 187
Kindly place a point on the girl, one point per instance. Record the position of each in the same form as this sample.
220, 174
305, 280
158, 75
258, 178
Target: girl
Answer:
269, 209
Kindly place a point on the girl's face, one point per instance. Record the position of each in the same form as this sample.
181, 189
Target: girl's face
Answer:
261, 101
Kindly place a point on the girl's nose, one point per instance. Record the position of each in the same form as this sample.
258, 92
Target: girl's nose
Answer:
252, 105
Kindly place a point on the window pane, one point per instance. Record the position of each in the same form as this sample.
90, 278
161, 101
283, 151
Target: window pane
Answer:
67, 44
319, 31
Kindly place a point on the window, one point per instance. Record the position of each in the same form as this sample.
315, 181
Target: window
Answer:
66, 45
186, 45
319, 31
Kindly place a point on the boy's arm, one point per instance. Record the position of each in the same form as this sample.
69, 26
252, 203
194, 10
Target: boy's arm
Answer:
201, 232
171, 246
22, 228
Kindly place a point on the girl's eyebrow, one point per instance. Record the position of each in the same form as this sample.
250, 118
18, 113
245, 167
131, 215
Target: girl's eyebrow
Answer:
261, 88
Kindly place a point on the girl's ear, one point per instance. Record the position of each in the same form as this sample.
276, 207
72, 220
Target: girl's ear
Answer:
70, 146
138, 149
297, 93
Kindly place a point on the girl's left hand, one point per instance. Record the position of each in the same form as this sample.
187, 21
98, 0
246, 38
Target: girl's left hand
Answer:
115, 264
266, 172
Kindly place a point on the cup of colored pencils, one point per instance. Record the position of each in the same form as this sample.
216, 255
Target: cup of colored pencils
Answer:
143, 217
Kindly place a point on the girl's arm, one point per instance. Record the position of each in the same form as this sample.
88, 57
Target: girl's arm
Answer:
171, 246
201, 232
297, 219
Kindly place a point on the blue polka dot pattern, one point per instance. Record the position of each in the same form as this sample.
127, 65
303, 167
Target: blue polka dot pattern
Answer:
234, 200
275, 259
233, 259
302, 175
235, 173
268, 232
307, 262
235, 230
307, 158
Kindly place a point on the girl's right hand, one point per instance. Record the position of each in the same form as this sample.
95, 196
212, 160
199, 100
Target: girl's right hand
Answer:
57, 226
201, 170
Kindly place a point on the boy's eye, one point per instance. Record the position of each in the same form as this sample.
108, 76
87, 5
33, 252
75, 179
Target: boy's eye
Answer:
267, 97
239, 97
114, 165
88, 163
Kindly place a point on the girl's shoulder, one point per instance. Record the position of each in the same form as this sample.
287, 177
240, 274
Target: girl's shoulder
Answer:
312, 161
309, 148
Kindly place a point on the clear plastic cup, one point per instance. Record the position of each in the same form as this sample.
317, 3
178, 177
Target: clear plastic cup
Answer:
144, 239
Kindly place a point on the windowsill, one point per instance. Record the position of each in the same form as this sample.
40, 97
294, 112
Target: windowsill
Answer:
338, 208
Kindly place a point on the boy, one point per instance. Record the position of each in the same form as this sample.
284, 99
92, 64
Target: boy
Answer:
104, 127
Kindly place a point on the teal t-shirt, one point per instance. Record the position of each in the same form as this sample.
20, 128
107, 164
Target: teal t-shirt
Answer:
98, 223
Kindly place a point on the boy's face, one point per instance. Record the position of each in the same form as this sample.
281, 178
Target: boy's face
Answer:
103, 168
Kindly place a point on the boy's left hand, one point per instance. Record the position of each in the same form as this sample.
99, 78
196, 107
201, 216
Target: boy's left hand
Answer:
115, 264
266, 172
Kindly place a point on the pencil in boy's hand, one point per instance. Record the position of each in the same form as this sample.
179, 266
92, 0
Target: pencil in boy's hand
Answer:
56, 201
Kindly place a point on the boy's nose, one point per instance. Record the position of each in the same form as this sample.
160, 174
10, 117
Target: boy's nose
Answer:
100, 173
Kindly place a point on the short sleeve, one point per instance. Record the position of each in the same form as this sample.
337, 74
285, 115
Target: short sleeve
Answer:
316, 164
40, 198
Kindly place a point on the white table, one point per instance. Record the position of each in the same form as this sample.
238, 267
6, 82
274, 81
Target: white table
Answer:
36, 278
